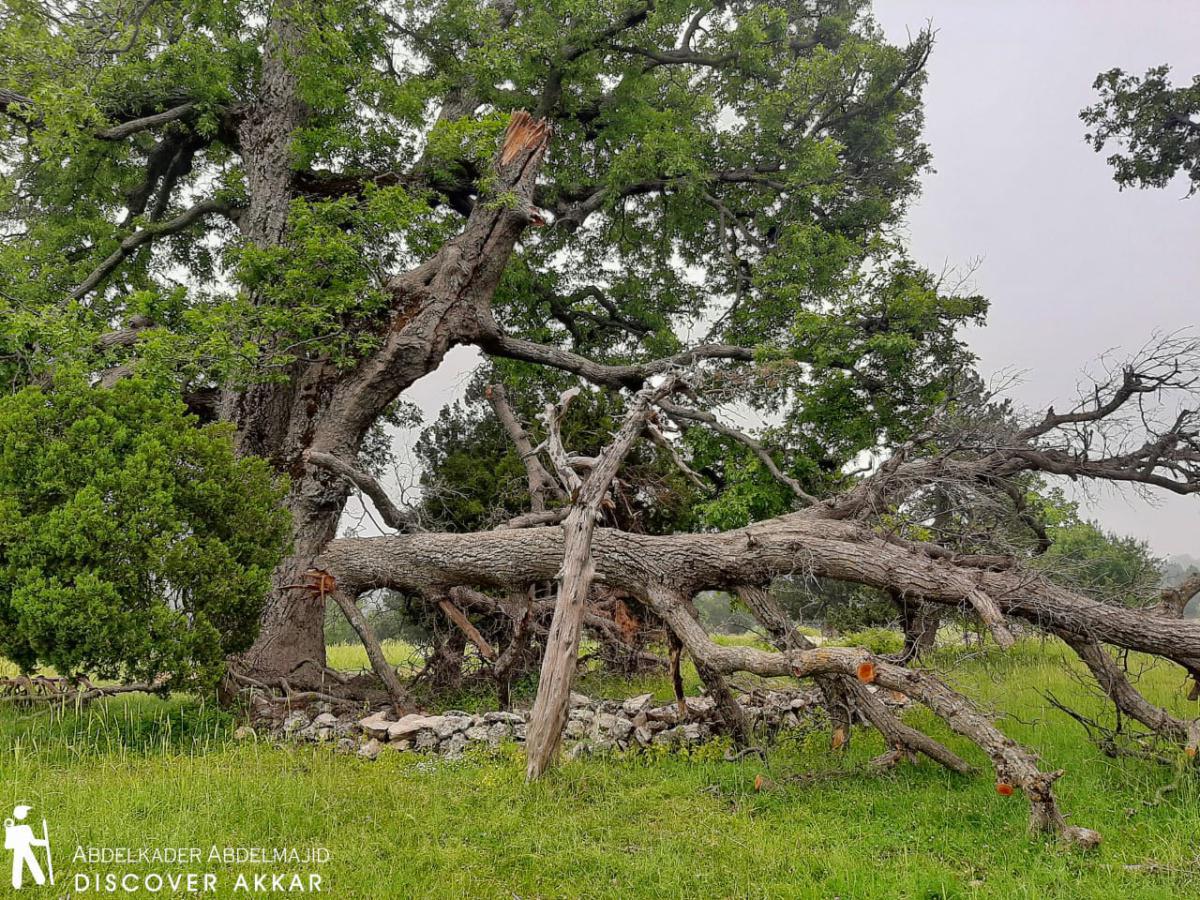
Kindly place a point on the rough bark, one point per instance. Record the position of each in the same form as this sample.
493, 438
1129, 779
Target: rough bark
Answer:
841, 692
550, 707
325, 412
844, 551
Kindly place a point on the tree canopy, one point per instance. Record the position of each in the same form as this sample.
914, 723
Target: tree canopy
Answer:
1154, 122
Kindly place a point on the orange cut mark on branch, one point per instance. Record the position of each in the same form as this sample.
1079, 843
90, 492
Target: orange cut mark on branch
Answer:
1004, 789
866, 672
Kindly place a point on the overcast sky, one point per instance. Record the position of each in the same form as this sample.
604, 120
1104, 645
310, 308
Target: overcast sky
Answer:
1072, 266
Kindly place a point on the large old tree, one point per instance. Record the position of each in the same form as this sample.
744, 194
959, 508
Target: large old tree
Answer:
290, 213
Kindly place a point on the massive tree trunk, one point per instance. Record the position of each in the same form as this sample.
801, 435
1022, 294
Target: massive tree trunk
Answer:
327, 412
275, 418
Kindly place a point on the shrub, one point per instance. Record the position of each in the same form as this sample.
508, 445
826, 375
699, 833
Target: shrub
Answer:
881, 641
134, 544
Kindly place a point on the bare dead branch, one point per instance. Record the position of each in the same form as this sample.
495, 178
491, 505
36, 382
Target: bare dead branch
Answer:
697, 415
393, 516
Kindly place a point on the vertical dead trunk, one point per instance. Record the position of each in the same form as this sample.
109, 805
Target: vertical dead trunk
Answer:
549, 712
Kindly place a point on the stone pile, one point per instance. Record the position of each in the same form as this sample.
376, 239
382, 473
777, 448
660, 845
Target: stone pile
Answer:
593, 726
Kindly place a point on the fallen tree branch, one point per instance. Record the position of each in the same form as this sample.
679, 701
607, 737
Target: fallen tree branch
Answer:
1015, 766
1127, 698
386, 672
786, 637
456, 615
821, 547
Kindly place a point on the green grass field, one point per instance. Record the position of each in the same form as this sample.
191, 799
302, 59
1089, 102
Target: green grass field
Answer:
142, 772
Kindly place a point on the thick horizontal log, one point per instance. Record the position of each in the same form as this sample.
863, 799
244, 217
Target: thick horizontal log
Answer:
797, 543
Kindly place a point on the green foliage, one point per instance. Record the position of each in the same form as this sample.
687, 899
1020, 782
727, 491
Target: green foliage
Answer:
836, 605
1099, 563
474, 478
133, 544
1154, 122
636, 826
882, 641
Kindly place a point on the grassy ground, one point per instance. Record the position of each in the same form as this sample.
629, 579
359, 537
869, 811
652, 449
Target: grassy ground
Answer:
140, 772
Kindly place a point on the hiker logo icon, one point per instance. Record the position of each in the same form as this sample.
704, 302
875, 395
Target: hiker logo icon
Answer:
23, 843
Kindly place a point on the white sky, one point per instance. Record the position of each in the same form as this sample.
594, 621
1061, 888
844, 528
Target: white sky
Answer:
1073, 266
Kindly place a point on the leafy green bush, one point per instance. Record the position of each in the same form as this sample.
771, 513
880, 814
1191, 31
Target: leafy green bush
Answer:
881, 641
133, 543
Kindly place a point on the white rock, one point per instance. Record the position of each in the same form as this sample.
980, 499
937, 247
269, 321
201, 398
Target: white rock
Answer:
498, 732
604, 722
410, 725
477, 733
426, 740
509, 718
669, 736
371, 749
621, 728
295, 721
580, 700
376, 726
662, 714
638, 704
454, 746
326, 720
445, 726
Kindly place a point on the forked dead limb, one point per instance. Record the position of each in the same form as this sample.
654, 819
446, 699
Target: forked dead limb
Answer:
1016, 767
